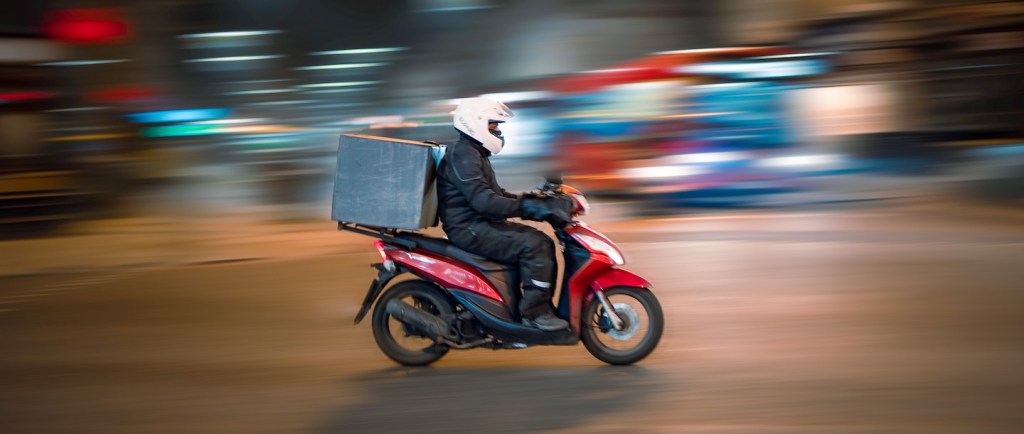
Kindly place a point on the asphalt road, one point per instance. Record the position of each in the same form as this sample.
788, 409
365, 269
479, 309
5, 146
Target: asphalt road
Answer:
862, 320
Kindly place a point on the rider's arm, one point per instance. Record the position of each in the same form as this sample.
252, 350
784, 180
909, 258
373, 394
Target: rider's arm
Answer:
471, 182
509, 195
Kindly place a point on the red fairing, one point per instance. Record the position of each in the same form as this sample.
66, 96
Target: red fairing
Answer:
579, 283
583, 228
444, 271
597, 274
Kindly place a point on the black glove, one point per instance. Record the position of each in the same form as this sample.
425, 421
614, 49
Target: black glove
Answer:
554, 210
533, 208
561, 211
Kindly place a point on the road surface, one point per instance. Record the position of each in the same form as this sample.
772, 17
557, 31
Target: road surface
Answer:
864, 319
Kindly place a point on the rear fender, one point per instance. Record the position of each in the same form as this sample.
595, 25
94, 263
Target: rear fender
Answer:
384, 275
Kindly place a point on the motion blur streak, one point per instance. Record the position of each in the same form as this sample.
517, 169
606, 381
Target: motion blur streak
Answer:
826, 196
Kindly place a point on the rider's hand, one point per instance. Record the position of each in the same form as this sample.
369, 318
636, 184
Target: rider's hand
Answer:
534, 208
556, 210
561, 211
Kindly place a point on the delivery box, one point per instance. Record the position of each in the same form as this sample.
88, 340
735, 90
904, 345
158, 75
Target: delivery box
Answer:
385, 182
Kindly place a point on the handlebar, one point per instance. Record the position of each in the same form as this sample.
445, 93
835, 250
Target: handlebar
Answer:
552, 184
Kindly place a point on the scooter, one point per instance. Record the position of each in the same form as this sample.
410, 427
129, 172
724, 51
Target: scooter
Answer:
458, 300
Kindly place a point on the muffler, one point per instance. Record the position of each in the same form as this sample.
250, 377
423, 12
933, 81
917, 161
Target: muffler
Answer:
436, 328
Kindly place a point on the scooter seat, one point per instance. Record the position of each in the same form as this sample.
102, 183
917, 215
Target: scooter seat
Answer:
444, 247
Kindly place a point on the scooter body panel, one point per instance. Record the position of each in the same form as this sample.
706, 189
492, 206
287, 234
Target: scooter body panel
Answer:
444, 271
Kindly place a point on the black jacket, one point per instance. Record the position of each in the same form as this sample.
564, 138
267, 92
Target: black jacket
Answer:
467, 191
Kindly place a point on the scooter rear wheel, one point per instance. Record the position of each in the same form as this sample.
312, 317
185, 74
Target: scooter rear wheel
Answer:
643, 324
400, 342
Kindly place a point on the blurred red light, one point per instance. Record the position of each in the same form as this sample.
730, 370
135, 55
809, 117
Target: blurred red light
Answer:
128, 94
86, 26
24, 96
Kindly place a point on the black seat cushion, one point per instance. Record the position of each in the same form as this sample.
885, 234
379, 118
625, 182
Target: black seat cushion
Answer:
444, 247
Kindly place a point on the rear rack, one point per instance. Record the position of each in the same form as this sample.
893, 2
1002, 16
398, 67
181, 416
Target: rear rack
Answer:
389, 235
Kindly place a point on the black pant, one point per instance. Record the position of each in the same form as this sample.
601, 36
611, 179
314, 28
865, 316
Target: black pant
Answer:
513, 243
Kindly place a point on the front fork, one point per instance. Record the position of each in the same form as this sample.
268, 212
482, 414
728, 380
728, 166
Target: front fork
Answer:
614, 317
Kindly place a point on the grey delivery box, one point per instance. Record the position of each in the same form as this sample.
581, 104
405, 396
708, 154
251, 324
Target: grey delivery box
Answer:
385, 182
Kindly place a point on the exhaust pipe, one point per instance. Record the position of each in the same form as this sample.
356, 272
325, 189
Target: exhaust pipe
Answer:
422, 321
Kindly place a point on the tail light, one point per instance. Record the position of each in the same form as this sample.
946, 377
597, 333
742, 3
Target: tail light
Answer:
388, 263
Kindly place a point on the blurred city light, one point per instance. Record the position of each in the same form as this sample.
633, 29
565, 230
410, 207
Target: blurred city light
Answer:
340, 66
663, 171
708, 157
359, 51
87, 26
23, 96
820, 161
340, 84
753, 70
233, 34
513, 97
235, 58
84, 62
180, 131
185, 115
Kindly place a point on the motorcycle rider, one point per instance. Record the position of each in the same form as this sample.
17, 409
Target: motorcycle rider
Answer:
474, 208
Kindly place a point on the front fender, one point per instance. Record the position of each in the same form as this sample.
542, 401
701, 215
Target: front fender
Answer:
609, 279
618, 277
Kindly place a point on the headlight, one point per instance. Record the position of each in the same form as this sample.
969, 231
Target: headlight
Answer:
602, 246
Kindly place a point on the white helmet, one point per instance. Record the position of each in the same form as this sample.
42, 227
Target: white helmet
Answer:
472, 116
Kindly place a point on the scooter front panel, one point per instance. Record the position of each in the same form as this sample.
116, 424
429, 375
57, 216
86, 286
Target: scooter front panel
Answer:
579, 286
590, 266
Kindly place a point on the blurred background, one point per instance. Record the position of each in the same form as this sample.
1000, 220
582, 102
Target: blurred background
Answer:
118, 108
826, 195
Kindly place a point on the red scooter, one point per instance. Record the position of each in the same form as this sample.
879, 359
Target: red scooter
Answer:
459, 300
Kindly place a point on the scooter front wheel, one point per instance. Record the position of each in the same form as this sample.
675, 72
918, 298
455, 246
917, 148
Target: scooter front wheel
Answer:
642, 325
401, 342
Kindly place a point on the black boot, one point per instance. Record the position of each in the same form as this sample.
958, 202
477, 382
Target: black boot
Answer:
546, 321
535, 308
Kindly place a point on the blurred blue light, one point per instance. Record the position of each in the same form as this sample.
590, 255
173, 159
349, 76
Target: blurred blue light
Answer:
341, 66
359, 51
752, 70
235, 58
340, 84
186, 115
235, 34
